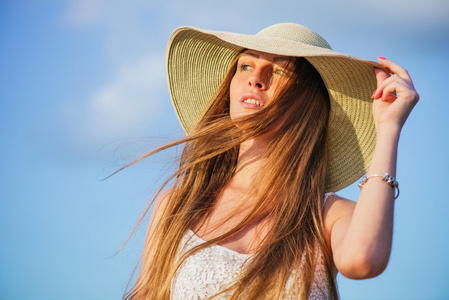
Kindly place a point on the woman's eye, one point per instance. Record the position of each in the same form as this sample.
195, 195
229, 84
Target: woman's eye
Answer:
244, 67
280, 72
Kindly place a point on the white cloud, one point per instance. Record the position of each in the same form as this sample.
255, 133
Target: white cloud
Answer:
122, 108
132, 95
130, 100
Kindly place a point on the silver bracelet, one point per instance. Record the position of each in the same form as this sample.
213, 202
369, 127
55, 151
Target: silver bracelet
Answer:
385, 177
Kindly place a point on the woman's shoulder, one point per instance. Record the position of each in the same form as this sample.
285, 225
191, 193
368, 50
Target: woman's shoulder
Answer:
327, 196
160, 203
162, 197
336, 207
158, 208
332, 201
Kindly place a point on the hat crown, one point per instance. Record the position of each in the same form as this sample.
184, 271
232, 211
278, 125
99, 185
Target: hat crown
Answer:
295, 32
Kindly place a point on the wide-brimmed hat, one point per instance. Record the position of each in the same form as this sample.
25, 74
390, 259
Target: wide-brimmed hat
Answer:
198, 60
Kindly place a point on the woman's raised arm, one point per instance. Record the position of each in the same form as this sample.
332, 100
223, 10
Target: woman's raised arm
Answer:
361, 233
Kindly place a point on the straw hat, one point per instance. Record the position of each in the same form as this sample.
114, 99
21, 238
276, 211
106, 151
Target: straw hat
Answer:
198, 59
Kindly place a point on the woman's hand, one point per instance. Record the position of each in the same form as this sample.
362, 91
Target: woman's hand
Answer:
394, 97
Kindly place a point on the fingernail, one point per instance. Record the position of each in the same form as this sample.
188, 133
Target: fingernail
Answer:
380, 57
372, 96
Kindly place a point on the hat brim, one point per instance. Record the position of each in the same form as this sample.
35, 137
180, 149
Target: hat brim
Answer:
198, 60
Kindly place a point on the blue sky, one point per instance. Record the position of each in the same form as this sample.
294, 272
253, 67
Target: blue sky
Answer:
83, 91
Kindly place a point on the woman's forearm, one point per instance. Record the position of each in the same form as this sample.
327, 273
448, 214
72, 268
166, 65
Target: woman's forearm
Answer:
366, 246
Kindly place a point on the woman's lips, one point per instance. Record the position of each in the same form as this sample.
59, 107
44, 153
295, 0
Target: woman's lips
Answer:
252, 101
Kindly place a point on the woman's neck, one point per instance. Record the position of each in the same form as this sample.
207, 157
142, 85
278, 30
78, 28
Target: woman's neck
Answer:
250, 161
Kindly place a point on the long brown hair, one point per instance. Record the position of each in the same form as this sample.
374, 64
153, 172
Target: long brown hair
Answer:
290, 196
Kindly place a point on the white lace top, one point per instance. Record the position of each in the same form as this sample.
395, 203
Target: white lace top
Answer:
213, 268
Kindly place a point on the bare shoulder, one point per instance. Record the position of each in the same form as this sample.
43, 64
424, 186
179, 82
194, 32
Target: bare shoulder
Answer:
159, 208
336, 208
157, 212
161, 200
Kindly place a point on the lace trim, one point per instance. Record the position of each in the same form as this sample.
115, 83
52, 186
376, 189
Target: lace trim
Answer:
194, 236
212, 269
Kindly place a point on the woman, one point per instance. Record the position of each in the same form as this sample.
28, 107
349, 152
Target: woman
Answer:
276, 122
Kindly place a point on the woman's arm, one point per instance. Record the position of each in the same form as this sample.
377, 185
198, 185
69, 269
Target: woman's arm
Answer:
360, 233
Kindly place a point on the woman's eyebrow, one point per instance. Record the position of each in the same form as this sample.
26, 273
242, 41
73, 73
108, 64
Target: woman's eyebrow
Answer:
276, 59
250, 54
283, 58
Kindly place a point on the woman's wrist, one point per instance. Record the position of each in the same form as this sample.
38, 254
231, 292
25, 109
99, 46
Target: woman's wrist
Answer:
388, 131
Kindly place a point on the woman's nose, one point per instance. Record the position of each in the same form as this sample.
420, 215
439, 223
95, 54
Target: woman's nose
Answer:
258, 79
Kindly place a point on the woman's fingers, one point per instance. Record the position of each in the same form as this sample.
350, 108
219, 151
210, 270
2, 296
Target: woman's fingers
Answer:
394, 68
399, 84
381, 76
391, 90
386, 89
395, 95
386, 86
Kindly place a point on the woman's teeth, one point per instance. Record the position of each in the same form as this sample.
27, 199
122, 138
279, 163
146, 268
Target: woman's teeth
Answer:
253, 101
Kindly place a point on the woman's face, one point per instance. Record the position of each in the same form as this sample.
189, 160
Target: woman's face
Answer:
258, 77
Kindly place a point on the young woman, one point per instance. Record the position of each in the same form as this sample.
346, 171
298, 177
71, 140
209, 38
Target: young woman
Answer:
276, 123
